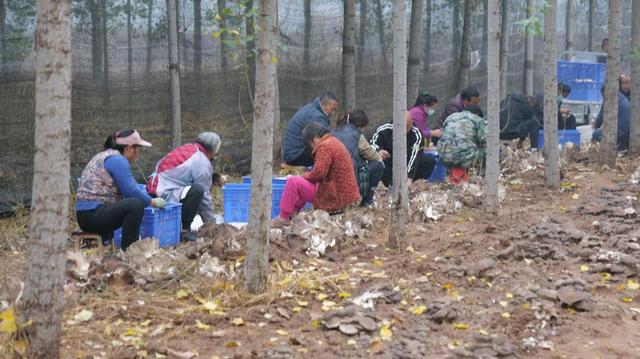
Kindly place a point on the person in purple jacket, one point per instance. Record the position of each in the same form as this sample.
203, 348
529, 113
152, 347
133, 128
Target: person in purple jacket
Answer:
108, 197
423, 108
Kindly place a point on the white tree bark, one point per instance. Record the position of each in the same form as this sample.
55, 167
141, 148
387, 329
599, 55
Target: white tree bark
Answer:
634, 137
592, 21
493, 107
349, 55
400, 210
174, 73
528, 53
465, 48
568, 26
257, 265
551, 153
43, 297
416, 51
504, 47
608, 148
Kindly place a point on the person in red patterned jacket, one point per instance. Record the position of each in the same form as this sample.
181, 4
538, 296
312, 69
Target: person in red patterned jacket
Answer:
331, 184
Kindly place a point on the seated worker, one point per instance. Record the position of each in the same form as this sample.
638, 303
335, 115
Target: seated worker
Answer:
463, 142
517, 120
419, 164
625, 86
420, 112
330, 185
107, 197
566, 120
320, 110
469, 96
367, 162
185, 175
624, 116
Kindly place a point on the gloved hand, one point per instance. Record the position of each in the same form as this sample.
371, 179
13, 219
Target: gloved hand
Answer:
158, 202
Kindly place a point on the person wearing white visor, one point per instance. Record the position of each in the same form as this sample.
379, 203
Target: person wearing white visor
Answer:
108, 196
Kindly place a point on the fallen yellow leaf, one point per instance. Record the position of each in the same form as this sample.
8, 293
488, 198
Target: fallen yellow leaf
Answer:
584, 268
296, 309
282, 332
344, 295
145, 323
447, 286
505, 315
210, 306
627, 299
8, 324
351, 342
460, 326
303, 303
385, 333
238, 322
322, 296
183, 293
509, 296
232, 344
201, 325
526, 306
504, 304
633, 285
315, 323
378, 262
417, 310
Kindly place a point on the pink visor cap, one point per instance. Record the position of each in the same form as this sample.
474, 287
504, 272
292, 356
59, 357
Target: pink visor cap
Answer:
132, 139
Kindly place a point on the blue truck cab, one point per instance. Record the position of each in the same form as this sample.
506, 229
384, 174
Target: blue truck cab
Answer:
585, 73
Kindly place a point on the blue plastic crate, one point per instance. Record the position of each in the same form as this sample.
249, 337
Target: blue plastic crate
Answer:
236, 201
276, 180
161, 224
439, 173
585, 79
564, 136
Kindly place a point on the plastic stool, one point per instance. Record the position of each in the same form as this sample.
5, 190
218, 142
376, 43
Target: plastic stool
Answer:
458, 175
79, 237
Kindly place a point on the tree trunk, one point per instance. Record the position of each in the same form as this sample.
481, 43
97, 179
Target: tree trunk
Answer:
634, 136
550, 151
222, 4
174, 73
257, 265
306, 63
149, 35
105, 55
493, 106
485, 32
455, 35
349, 55
427, 39
97, 64
528, 53
197, 40
129, 64
465, 64
416, 44
3, 34
504, 47
251, 47
362, 35
380, 24
592, 23
568, 26
400, 208
43, 296
608, 148
277, 134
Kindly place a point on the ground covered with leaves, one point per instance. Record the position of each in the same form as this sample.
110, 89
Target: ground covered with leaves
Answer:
555, 275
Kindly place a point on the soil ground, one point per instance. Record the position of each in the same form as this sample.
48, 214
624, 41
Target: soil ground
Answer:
493, 279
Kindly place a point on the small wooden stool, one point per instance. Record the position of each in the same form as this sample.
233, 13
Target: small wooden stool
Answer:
79, 237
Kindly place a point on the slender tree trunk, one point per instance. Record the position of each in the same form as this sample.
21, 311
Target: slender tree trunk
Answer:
380, 24
277, 134
465, 64
416, 49
569, 27
105, 55
427, 39
257, 266
592, 23
400, 208
222, 4
608, 148
306, 63
3, 34
174, 73
455, 35
550, 151
197, 54
149, 35
528, 53
485, 31
634, 136
251, 47
43, 296
362, 34
97, 64
493, 106
504, 47
349, 55
129, 63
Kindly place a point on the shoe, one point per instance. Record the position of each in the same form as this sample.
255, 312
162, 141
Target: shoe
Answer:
188, 236
279, 222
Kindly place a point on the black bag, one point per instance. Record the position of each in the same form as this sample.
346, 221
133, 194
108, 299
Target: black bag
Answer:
363, 180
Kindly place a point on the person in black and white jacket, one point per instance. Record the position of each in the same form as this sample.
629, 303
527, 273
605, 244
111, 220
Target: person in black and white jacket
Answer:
419, 164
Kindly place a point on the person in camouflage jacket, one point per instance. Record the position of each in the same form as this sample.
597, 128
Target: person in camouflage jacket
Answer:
463, 142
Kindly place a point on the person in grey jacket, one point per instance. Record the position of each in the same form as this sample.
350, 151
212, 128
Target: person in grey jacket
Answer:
294, 151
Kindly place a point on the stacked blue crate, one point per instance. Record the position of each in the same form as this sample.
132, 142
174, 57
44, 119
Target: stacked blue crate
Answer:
585, 79
564, 136
236, 201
